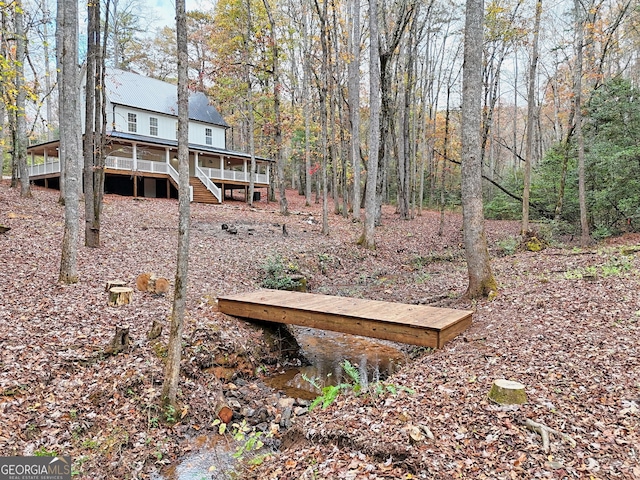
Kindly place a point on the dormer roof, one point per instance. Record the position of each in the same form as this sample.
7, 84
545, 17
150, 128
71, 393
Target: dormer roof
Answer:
137, 91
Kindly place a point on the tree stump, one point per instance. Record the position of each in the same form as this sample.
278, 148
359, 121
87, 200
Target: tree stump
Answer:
156, 330
120, 341
114, 283
120, 296
507, 392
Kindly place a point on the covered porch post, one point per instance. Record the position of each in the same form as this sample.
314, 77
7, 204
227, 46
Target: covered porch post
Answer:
134, 155
167, 159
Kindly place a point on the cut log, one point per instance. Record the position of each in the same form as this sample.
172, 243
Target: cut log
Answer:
4, 229
156, 330
507, 392
158, 285
120, 341
120, 296
142, 282
222, 410
148, 282
114, 283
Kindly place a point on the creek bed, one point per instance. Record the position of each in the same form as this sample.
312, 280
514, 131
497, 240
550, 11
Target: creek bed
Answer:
212, 457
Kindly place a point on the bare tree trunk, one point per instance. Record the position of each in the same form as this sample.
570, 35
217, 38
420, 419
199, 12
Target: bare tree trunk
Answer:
577, 98
250, 113
275, 65
354, 101
307, 110
20, 144
323, 90
530, 120
3, 110
61, 119
91, 230
47, 68
481, 281
70, 144
367, 239
174, 351
100, 126
445, 155
404, 143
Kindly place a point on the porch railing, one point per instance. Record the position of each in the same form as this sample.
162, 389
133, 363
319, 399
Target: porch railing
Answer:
153, 167
233, 175
44, 168
121, 163
209, 184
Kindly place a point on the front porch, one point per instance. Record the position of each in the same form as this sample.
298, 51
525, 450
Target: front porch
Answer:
143, 168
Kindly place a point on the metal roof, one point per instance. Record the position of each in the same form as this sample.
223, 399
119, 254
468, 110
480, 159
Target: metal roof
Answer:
146, 93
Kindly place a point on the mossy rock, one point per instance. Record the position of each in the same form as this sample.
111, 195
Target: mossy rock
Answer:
534, 245
298, 283
630, 250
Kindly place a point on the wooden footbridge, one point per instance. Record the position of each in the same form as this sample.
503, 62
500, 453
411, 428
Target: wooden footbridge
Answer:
399, 322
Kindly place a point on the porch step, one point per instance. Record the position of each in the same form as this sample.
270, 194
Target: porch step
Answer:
200, 193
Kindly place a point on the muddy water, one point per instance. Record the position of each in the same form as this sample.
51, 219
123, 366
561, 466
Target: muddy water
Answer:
326, 351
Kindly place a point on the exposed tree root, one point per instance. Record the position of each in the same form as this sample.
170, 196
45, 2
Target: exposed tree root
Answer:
545, 432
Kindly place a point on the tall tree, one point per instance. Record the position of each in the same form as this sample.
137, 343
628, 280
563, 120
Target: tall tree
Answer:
577, 98
92, 129
481, 280
20, 138
174, 350
367, 239
47, 68
70, 133
531, 107
275, 71
401, 13
354, 100
403, 136
250, 115
323, 88
306, 92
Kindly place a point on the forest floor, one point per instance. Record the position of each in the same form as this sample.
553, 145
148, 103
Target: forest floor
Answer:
565, 324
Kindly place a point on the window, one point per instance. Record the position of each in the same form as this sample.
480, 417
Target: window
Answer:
132, 122
208, 136
153, 126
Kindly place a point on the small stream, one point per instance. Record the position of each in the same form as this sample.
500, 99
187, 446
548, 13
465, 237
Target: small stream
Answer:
326, 351
212, 457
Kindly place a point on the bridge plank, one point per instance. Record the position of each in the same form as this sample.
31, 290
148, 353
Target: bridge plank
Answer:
399, 322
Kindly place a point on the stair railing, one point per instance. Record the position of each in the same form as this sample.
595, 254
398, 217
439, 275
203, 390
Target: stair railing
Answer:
212, 187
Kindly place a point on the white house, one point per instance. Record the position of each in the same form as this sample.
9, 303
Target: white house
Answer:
142, 147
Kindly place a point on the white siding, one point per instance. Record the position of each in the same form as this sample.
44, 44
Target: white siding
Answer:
166, 126
197, 135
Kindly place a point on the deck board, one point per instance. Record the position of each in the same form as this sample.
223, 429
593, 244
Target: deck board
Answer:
399, 322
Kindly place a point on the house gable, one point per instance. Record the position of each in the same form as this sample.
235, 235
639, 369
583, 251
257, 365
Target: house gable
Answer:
148, 107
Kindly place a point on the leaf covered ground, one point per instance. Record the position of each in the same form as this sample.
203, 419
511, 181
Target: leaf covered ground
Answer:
565, 324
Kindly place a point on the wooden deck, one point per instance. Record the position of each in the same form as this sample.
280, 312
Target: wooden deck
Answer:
399, 322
